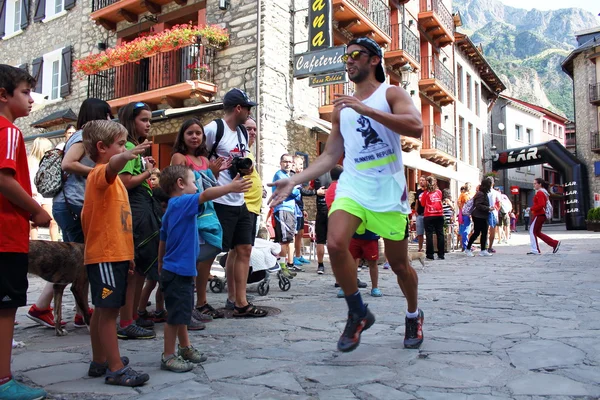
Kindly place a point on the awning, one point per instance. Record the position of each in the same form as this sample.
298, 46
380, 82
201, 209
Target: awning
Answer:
313, 123
157, 115
56, 118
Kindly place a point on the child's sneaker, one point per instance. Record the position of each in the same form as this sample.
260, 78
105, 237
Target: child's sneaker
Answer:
469, 253
191, 354
200, 316
144, 319
485, 253
195, 325
43, 317
96, 369
135, 332
160, 316
386, 265
340, 293
79, 322
303, 260
13, 390
297, 261
126, 376
175, 363
376, 292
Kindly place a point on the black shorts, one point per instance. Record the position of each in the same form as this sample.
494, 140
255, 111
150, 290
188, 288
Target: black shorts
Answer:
146, 214
321, 228
13, 280
285, 226
254, 218
108, 283
178, 291
299, 224
237, 225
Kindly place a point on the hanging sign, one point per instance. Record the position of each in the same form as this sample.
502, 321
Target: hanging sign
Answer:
514, 190
328, 79
320, 34
318, 62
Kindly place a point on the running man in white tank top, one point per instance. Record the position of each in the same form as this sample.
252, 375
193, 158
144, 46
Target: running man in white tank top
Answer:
371, 193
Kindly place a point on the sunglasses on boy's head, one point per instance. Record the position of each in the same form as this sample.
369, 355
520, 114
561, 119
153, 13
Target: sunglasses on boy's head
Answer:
355, 55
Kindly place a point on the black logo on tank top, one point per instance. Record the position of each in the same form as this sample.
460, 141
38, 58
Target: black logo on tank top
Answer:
372, 140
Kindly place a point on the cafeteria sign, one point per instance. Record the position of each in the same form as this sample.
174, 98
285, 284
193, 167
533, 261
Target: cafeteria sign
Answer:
319, 62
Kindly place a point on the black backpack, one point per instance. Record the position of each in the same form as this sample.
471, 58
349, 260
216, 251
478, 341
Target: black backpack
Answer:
220, 132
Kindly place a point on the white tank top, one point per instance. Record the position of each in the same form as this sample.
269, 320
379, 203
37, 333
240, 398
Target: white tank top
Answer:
373, 170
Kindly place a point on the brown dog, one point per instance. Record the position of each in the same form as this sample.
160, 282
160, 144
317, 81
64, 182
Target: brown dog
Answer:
61, 263
417, 255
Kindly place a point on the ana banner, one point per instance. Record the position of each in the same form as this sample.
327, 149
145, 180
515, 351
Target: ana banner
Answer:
320, 33
572, 170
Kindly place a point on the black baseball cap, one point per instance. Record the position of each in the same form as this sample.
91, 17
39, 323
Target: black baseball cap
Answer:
373, 48
237, 97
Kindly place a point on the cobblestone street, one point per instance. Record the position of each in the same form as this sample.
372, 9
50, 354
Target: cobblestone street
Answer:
510, 326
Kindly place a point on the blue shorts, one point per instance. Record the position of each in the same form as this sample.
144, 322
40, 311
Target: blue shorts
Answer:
420, 225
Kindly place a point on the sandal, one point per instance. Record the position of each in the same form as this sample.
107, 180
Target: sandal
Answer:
126, 376
97, 370
207, 309
250, 311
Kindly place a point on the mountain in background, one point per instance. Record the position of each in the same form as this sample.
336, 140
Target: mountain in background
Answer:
526, 48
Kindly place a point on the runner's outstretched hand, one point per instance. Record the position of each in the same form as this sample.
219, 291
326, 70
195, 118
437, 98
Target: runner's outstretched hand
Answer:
283, 188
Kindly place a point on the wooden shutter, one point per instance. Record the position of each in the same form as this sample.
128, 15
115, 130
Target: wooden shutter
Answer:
24, 14
40, 11
37, 71
2, 16
65, 72
69, 4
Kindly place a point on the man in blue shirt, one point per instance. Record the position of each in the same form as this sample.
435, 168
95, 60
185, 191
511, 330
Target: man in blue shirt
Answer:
284, 213
177, 254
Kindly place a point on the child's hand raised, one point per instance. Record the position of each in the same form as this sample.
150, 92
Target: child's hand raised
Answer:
137, 150
240, 184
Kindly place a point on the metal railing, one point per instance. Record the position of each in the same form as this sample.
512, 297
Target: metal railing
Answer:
434, 137
438, 7
327, 93
99, 4
377, 10
162, 70
595, 141
432, 67
594, 92
404, 39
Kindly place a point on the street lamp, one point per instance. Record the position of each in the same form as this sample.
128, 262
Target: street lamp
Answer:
405, 72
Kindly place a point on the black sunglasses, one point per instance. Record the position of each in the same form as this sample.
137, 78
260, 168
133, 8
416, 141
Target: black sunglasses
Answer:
355, 55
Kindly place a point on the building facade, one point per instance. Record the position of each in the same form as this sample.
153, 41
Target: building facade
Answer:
583, 66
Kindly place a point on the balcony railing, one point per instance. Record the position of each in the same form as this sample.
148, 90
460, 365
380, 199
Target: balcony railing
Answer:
99, 4
595, 141
377, 10
432, 67
595, 93
570, 142
438, 7
327, 93
434, 137
404, 39
160, 71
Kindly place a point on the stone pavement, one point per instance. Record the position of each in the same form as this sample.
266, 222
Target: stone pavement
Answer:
510, 326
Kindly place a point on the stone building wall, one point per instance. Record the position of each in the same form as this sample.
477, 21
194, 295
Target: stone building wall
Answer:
75, 29
586, 119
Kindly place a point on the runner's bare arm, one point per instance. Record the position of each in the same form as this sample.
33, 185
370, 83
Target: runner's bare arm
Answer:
334, 149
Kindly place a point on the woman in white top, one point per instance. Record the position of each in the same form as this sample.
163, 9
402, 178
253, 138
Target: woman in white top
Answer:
39, 147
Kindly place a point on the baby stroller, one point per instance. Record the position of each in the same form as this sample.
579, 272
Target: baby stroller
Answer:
263, 263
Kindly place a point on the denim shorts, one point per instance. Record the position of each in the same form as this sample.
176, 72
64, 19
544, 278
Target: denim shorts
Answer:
179, 297
420, 225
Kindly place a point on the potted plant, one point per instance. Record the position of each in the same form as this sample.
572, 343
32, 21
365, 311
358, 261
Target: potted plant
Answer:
215, 35
593, 219
198, 71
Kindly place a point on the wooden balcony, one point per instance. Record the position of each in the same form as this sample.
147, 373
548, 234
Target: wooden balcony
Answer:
436, 21
327, 95
595, 94
404, 49
410, 144
163, 78
108, 12
438, 146
363, 18
437, 82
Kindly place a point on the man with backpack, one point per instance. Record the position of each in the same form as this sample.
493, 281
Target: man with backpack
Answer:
227, 140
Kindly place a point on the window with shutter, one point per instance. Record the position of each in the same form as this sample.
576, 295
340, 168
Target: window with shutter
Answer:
65, 77
24, 14
2, 17
52, 74
40, 10
37, 72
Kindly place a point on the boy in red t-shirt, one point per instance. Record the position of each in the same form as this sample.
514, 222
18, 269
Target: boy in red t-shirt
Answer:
17, 207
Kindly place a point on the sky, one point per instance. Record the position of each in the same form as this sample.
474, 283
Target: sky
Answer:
590, 5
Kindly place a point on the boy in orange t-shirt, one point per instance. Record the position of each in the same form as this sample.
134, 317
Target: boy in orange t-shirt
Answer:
17, 207
108, 257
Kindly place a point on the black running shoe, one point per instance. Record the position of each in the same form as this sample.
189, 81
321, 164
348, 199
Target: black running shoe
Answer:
355, 325
295, 268
361, 284
413, 336
321, 269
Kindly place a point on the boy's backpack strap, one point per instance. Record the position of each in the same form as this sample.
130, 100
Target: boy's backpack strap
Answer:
218, 137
